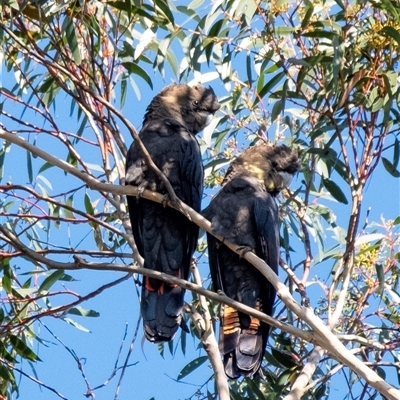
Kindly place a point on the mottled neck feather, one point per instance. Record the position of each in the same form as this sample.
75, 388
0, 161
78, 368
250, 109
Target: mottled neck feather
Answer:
191, 107
272, 166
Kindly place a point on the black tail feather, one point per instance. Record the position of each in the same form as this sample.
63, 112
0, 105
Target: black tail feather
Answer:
161, 312
242, 346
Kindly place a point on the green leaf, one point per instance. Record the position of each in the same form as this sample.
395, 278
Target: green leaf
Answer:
335, 191
194, 4
4, 149
46, 85
71, 159
308, 15
133, 68
216, 28
284, 93
219, 139
235, 396
249, 68
217, 164
391, 32
246, 9
165, 8
172, 61
340, 167
369, 238
390, 79
160, 348
254, 390
69, 202
69, 29
283, 30
124, 91
45, 181
284, 359
276, 110
5, 353
7, 276
88, 205
214, 32
29, 165
83, 312
396, 153
44, 167
272, 360
283, 378
320, 34
76, 325
56, 214
68, 278
50, 280
268, 86
22, 349
171, 347
390, 168
378, 104
380, 274
192, 366
124, 6
6, 374
296, 61
183, 341
381, 372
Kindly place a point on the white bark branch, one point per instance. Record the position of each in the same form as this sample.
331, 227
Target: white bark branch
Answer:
210, 343
300, 384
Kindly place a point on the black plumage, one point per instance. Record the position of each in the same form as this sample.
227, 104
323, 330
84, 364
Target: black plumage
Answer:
245, 213
165, 238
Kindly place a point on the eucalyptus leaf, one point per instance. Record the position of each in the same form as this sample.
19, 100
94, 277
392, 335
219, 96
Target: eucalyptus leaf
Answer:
193, 365
336, 192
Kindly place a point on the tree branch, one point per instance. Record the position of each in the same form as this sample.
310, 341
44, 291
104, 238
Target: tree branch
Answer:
299, 386
210, 343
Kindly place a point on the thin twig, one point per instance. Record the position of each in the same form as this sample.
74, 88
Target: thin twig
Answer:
126, 365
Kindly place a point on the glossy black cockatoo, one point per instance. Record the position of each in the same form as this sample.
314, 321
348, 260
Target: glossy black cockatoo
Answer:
165, 238
245, 213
